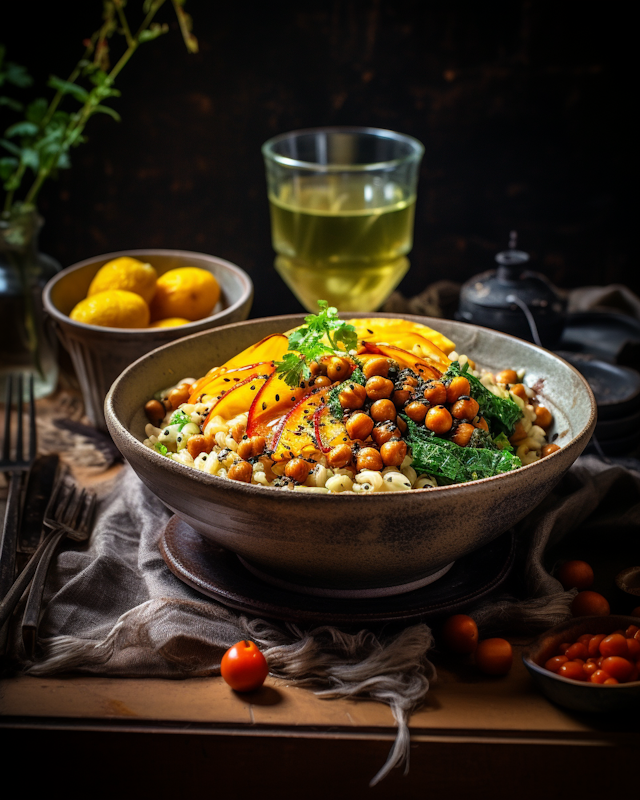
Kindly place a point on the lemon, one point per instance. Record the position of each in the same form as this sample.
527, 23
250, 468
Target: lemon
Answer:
188, 292
112, 309
169, 322
128, 274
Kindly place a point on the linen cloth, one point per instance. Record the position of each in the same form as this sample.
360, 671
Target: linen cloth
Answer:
113, 608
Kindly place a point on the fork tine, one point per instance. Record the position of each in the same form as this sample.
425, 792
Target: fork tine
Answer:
87, 516
33, 433
6, 441
73, 508
19, 437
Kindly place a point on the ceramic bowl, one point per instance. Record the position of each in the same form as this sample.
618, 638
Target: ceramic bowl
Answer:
576, 695
100, 354
348, 542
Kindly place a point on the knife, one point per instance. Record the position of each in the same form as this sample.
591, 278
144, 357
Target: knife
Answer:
39, 489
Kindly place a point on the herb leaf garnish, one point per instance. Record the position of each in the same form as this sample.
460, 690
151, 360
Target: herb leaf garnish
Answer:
322, 334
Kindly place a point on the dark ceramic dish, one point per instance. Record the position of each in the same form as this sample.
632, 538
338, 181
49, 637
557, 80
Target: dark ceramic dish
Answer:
576, 695
345, 541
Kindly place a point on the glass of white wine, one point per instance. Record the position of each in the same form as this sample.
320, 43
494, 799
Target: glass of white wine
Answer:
342, 204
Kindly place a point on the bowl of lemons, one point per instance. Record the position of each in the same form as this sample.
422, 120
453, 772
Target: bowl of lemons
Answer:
110, 310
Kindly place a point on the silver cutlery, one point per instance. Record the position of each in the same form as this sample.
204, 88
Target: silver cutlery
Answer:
16, 461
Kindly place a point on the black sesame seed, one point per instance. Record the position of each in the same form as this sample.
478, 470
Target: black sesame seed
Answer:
277, 397
227, 379
264, 406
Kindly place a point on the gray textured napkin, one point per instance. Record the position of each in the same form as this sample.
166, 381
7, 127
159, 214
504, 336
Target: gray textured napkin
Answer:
113, 608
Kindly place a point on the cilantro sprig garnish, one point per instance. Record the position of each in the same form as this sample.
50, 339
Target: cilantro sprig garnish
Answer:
322, 335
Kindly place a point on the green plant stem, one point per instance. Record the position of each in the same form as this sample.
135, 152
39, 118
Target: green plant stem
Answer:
82, 117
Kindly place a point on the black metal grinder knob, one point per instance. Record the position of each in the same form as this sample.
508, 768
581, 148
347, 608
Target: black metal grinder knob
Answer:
515, 300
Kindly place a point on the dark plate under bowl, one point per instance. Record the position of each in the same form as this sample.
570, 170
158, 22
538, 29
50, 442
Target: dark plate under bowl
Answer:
575, 695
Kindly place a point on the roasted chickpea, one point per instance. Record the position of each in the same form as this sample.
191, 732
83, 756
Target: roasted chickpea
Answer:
519, 434
338, 369
519, 390
352, 396
547, 449
318, 368
242, 471
379, 388
507, 376
238, 431
251, 448
383, 410
369, 458
393, 452
544, 418
481, 423
359, 425
155, 412
465, 407
438, 419
417, 411
435, 392
321, 380
462, 434
410, 380
401, 396
340, 456
199, 444
457, 387
376, 366
384, 432
297, 469
179, 395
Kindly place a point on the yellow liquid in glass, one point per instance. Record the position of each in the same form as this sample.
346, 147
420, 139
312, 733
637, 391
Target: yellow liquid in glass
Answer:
342, 239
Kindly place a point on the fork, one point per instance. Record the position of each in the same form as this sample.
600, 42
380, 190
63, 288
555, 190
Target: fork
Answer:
62, 510
16, 465
75, 522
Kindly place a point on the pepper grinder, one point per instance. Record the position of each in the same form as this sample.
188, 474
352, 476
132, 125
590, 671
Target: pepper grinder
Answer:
514, 300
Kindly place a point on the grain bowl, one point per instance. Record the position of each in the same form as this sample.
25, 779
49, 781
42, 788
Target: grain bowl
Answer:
345, 542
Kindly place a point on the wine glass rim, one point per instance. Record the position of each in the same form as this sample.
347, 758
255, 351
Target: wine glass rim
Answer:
416, 153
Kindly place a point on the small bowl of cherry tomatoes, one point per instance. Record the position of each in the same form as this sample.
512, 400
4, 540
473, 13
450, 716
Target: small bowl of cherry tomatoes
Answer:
589, 663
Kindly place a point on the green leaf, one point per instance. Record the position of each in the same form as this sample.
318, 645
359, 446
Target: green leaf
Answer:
153, 32
17, 75
66, 87
11, 147
14, 105
36, 110
30, 158
321, 335
24, 128
501, 414
451, 463
8, 166
179, 418
161, 448
107, 110
99, 77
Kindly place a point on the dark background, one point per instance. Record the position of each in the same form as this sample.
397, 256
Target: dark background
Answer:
524, 109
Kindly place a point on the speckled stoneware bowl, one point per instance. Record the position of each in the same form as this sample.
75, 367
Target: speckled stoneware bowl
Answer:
348, 542
100, 354
576, 695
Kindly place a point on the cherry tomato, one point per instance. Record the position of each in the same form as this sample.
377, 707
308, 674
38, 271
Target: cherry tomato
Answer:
577, 650
554, 664
610, 682
494, 656
631, 631
594, 644
588, 604
618, 668
589, 668
562, 648
572, 670
585, 638
614, 645
460, 634
575, 574
244, 667
633, 646
599, 676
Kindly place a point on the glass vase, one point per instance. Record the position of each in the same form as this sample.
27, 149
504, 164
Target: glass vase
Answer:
27, 345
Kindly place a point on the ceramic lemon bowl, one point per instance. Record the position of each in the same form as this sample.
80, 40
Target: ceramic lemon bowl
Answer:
99, 354
348, 542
